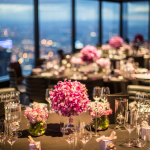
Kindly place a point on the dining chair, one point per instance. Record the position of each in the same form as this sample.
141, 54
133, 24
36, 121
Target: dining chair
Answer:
132, 89
13, 81
36, 88
17, 67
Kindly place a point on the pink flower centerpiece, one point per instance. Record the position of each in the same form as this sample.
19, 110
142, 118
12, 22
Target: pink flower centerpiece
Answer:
76, 61
103, 62
126, 47
105, 47
69, 98
89, 54
37, 119
103, 112
116, 42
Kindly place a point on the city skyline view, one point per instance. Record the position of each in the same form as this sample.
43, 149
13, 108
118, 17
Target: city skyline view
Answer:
17, 24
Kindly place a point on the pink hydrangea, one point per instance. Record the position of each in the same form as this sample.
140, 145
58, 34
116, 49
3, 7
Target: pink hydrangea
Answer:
36, 114
105, 47
116, 42
89, 54
77, 61
103, 109
69, 98
102, 62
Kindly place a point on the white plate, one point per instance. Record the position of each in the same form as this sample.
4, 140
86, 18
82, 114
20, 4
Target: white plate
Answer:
141, 76
46, 74
37, 70
142, 70
115, 79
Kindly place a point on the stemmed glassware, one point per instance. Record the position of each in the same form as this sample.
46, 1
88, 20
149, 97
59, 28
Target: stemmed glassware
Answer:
69, 134
97, 93
130, 123
96, 97
85, 133
47, 97
104, 93
11, 137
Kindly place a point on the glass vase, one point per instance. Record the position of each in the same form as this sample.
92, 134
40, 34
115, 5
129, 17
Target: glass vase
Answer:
37, 129
102, 123
72, 121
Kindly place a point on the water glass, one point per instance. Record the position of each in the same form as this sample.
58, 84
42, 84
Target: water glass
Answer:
47, 97
121, 105
96, 93
69, 134
85, 133
130, 122
104, 93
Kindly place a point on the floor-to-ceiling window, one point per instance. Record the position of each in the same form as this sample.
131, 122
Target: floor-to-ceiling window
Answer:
16, 34
54, 27
110, 20
87, 23
135, 19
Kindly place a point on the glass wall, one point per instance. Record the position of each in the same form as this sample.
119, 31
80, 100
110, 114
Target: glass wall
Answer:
110, 20
87, 23
135, 19
16, 34
55, 26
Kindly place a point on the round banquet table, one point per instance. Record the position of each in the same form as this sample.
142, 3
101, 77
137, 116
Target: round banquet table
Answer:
53, 139
115, 85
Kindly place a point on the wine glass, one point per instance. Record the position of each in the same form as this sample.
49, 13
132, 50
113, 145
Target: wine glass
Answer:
47, 97
130, 122
12, 137
96, 97
15, 125
85, 133
104, 93
138, 100
69, 134
96, 93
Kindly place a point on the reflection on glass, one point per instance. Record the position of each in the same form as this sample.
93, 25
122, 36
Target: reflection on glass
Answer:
135, 19
54, 27
16, 34
87, 23
110, 20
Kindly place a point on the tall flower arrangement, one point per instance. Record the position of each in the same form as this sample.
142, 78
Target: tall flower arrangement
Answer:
89, 54
116, 42
70, 98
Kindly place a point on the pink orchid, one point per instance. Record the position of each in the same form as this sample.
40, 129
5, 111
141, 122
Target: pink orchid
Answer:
69, 98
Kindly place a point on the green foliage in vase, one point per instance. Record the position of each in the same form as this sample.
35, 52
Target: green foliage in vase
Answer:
102, 123
37, 129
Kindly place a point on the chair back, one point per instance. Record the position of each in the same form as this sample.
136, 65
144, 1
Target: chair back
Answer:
36, 88
16, 66
12, 78
132, 89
